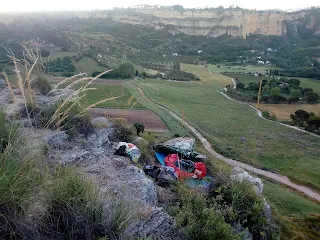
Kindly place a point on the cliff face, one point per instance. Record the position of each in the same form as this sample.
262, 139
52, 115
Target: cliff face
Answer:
202, 22
213, 23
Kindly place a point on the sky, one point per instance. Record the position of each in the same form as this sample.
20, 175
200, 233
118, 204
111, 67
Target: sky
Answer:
57, 5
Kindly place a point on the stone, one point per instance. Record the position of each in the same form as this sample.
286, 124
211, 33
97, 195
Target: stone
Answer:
240, 174
139, 140
3, 83
74, 155
55, 139
156, 224
99, 138
100, 122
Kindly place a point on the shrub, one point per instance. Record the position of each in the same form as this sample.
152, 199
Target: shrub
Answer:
139, 128
74, 207
268, 115
200, 220
42, 84
123, 130
60, 116
19, 181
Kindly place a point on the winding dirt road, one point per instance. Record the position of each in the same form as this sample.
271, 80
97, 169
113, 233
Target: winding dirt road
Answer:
274, 176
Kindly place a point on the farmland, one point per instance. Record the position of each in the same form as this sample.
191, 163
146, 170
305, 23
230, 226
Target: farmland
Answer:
238, 68
102, 90
88, 65
283, 111
236, 131
204, 75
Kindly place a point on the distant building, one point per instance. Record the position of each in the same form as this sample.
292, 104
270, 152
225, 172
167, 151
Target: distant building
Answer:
258, 58
174, 54
260, 62
270, 50
200, 51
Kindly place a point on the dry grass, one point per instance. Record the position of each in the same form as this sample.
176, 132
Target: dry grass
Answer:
283, 111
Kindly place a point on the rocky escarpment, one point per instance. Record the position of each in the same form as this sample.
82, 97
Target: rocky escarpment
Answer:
217, 22
213, 22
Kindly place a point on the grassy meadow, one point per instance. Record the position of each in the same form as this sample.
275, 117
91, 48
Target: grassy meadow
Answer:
238, 68
103, 91
236, 131
88, 65
288, 203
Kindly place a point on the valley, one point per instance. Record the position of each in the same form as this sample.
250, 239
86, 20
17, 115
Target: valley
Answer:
192, 72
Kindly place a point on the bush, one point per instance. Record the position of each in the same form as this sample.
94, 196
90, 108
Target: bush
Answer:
19, 181
58, 116
123, 130
42, 84
139, 128
200, 220
74, 207
268, 115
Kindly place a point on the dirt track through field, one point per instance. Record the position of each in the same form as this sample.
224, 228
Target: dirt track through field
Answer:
274, 176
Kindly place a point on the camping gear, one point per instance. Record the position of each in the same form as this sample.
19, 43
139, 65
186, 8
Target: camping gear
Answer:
181, 145
185, 168
161, 156
205, 182
128, 149
164, 176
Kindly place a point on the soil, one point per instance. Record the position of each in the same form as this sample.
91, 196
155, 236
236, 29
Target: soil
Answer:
149, 119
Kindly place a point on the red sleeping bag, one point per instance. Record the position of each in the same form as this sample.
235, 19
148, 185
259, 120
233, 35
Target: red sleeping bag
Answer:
199, 172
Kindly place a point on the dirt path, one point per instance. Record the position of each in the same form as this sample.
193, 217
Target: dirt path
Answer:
276, 177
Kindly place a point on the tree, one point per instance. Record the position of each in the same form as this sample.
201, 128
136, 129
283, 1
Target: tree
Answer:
301, 115
240, 85
295, 83
139, 128
312, 97
294, 96
176, 66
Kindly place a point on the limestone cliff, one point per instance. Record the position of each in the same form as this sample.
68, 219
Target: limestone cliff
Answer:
217, 22
202, 22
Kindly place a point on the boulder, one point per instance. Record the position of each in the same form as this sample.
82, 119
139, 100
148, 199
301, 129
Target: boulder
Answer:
156, 224
55, 139
3, 83
240, 175
100, 122
139, 140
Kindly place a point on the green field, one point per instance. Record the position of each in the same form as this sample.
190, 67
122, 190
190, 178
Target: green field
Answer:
310, 83
236, 131
245, 78
55, 55
88, 65
238, 68
104, 91
287, 202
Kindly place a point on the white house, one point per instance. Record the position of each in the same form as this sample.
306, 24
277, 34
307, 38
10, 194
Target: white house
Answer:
200, 51
175, 54
260, 62
270, 50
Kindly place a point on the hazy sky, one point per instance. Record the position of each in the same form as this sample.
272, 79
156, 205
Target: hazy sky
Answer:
39, 5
